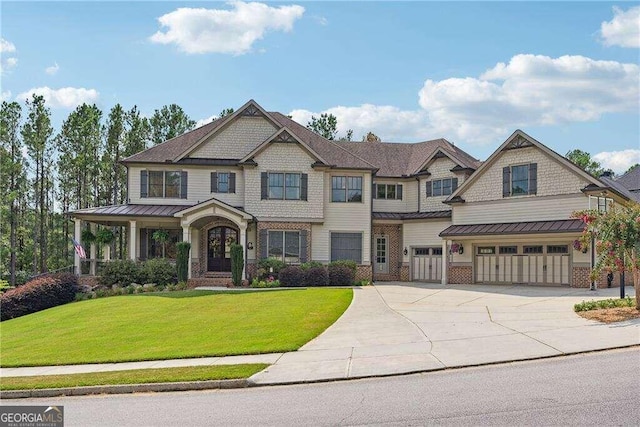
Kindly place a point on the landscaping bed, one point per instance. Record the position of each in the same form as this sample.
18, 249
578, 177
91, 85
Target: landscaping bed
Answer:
609, 310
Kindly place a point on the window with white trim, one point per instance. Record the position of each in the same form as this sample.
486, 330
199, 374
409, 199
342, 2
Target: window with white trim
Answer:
284, 186
346, 189
346, 246
387, 191
284, 245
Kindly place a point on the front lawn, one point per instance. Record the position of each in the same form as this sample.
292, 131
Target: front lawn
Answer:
137, 376
170, 326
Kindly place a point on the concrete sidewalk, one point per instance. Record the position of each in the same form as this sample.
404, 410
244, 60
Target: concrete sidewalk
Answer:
396, 328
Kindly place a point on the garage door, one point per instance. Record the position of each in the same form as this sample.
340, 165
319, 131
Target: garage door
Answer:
529, 264
426, 265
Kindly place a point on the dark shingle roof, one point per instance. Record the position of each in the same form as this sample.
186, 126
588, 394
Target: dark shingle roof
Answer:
619, 188
530, 227
630, 180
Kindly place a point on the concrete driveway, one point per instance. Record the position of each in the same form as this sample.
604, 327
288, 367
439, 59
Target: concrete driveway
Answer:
395, 328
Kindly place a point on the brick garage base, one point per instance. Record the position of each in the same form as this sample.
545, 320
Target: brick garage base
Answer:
581, 278
460, 275
363, 272
404, 272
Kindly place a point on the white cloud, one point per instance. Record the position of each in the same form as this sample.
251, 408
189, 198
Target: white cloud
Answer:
52, 70
5, 96
203, 122
66, 97
528, 91
623, 30
224, 31
321, 20
618, 161
6, 46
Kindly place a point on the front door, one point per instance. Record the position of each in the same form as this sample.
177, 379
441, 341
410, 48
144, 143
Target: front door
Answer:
382, 262
219, 248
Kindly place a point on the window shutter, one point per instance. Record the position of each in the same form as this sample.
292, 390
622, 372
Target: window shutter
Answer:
428, 185
144, 177
533, 178
375, 191
143, 243
304, 256
214, 182
454, 184
506, 181
183, 185
262, 243
399, 192
232, 182
304, 184
264, 194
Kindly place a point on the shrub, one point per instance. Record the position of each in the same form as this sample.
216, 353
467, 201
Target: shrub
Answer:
269, 264
310, 264
269, 283
159, 271
4, 286
341, 275
22, 277
182, 261
346, 263
121, 273
39, 294
237, 263
606, 303
291, 276
316, 276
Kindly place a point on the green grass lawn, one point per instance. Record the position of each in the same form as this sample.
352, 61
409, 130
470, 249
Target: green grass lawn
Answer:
138, 376
170, 326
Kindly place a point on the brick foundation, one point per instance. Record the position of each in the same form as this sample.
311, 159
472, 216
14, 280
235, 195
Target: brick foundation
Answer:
363, 272
459, 275
404, 272
581, 278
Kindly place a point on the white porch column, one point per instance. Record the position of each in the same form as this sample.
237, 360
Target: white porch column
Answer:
76, 233
186, 237
445, 263
106, 256
133, 240
94, 253
243, 242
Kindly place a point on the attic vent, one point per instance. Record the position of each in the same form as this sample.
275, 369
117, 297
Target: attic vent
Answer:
284, 137
251, 111
519, 142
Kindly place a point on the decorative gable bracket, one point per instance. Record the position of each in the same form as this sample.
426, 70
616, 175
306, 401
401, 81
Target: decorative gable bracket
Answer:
285, 137
518, 142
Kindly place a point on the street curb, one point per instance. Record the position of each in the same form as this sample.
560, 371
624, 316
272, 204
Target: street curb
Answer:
125, 389
247, 383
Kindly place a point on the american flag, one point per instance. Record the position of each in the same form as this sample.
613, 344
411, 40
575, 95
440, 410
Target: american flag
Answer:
79, 249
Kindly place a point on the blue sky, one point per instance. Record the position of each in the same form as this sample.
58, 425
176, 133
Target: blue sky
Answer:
472, 72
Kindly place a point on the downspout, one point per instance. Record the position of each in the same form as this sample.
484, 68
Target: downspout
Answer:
419, 195
372, 237
246, 252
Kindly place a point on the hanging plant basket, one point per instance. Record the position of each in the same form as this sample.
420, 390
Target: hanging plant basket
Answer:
104, 236
87, 236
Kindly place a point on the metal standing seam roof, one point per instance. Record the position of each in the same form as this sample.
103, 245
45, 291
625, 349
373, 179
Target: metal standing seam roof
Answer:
133, 210
411, 215
530, 227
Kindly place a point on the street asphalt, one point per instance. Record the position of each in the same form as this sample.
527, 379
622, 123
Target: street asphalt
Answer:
399, 328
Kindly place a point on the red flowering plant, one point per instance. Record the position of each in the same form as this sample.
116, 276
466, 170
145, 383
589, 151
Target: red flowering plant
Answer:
617, 240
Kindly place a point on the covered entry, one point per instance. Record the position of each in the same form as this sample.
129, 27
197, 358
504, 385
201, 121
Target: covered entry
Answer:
426, 264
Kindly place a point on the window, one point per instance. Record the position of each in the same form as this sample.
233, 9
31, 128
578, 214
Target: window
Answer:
284, 186
532, 249
346, 246
168, 184
346, 189
519, 180
508, 250
154, 248
421, 251
486, 250
223, 182
557, 249
284, 245
436, 251
388, 191
441, 187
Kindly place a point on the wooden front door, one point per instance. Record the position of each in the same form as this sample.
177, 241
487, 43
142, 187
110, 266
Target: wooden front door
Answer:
219, 242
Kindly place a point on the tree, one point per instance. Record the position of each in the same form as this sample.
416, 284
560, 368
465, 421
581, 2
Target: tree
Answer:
637, 165
326, 125
617, 240
169, 122
226, 112
348, 136
11, 174
584, 160
371, 137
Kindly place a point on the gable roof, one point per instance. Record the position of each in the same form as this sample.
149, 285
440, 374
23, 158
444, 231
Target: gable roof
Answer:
282, 135
404, 159
630, 180
521, 139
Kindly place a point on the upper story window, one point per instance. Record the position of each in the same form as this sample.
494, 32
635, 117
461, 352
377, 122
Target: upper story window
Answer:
163, 184
519, 180
284, 186
441, 187
387, 191
223, 182
346, 189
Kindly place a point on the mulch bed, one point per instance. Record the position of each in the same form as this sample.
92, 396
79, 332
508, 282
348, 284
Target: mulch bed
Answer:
611, 315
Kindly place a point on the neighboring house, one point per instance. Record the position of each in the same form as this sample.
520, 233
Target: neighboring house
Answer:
631, 181
426, 211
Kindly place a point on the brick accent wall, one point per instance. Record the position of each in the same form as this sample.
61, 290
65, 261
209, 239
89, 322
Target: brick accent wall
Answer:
460, 274
404, 272
288, 226
581, 278
394, 256
363, 272
196, 270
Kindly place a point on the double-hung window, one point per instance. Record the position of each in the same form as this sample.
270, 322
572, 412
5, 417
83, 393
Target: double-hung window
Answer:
441, 187
388, 191
165, 184
284, 186
284, 245
346, 189
223, 182
346, 246
519, 180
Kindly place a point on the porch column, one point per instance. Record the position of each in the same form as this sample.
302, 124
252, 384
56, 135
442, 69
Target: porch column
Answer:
186, 237
94, 254
243, 242
445, 263
133, 240
76, 233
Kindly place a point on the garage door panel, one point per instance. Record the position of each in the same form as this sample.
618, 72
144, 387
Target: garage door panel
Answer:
427, 264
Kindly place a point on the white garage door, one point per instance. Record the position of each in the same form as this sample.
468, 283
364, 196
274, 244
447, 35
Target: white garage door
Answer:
529, 264
426, 265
